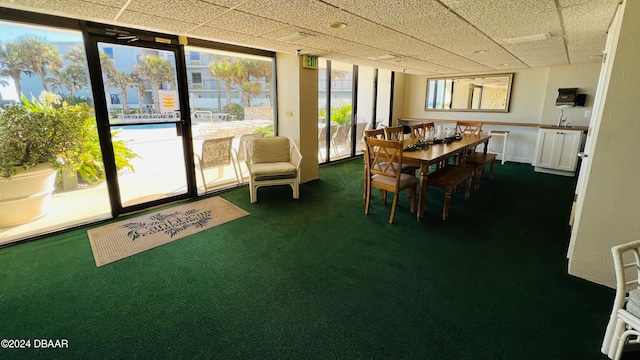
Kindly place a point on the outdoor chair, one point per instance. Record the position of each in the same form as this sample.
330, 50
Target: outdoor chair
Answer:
322, 140
273, 161
341, 139
384, 162
624, 323
216, 153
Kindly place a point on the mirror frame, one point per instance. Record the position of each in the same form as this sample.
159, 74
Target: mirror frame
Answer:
469, 77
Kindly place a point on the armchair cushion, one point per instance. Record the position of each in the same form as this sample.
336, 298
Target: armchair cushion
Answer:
273, 171
270, 150
633, 305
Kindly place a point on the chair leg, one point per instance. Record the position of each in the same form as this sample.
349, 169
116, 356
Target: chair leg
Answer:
468, 191
479, 172
253, 192
235, 170
491, 168
447, 200
393, 207
368, 198
384, 197
295, 187
413, 191
364, 192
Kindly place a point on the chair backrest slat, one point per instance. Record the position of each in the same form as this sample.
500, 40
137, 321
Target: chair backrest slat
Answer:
216, 152
394, 133
469, 127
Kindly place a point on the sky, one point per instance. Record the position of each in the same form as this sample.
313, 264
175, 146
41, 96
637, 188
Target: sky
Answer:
10, 32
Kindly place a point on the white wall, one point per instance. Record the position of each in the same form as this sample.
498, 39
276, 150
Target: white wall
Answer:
532, 102
298, 110
582, 76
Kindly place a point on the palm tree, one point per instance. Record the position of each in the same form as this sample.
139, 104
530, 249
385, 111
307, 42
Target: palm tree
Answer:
106, 64
228, 70
39, 56
11, 64
138, 83
250, 71
121, 80
158, 71
71, 77
249, 90
77, 70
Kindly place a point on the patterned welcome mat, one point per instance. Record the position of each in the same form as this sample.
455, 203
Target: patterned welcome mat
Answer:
132, 236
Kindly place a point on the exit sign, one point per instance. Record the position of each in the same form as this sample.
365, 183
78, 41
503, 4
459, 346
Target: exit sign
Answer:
309, 62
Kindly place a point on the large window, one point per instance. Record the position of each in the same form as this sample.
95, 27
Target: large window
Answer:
352, 109
48, 67
223, 104
230, 98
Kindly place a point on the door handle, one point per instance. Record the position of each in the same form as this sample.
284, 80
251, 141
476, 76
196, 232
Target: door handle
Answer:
582, 155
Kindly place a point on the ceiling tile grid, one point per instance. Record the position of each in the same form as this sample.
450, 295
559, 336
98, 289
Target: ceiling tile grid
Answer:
244, 23
426, 35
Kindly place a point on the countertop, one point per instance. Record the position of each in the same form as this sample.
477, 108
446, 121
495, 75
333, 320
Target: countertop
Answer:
555, 127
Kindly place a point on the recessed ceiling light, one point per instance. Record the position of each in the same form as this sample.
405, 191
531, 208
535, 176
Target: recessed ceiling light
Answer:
536, 37
480, 51
381, 57
337, 25
505, 64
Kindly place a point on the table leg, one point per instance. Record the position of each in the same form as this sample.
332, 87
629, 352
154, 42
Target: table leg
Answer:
424, 170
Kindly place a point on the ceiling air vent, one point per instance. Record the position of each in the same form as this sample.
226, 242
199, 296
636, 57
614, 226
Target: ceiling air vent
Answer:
295, 37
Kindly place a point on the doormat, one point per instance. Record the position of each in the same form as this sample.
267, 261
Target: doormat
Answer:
132, 236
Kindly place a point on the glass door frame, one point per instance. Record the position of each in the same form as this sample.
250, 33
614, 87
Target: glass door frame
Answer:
94, 34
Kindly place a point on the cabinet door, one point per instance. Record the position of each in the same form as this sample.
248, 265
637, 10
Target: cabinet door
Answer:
546, 148
568, 145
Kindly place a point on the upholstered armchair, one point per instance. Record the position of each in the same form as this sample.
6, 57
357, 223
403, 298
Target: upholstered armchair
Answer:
273, 161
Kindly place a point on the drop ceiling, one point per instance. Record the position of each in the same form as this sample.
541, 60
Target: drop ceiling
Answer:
416, 36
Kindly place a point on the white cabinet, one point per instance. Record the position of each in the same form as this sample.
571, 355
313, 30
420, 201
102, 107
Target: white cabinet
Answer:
557, 151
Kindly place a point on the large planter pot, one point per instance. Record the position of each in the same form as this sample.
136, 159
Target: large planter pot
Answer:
26, 196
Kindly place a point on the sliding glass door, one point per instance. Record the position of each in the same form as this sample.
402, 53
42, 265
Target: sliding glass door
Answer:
351, 99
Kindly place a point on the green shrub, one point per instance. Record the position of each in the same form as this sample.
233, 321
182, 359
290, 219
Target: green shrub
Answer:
267, 131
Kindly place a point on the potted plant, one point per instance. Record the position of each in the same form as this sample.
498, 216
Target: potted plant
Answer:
37, 139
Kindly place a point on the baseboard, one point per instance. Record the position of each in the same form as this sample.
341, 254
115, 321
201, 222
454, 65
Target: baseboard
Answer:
554, 171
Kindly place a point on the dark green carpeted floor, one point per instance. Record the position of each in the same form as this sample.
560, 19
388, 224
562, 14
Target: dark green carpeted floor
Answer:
315, 278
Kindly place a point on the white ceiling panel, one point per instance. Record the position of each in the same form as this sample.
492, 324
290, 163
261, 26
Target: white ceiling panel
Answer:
151, 22
503, 19
191, 11
85, 10
589, 17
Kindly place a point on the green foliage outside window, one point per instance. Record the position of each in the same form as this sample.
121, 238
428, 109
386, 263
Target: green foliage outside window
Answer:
339, 114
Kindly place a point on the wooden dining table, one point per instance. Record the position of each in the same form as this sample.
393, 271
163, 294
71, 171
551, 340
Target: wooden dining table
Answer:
435, 154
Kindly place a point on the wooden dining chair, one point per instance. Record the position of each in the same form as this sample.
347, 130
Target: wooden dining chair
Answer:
384, 163
395, 133
375, 133
420, 130
469, 127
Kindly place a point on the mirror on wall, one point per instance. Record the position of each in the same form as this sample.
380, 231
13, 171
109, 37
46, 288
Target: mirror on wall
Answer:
486, 93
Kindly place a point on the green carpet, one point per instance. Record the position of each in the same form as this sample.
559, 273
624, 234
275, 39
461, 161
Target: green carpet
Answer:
315, 278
